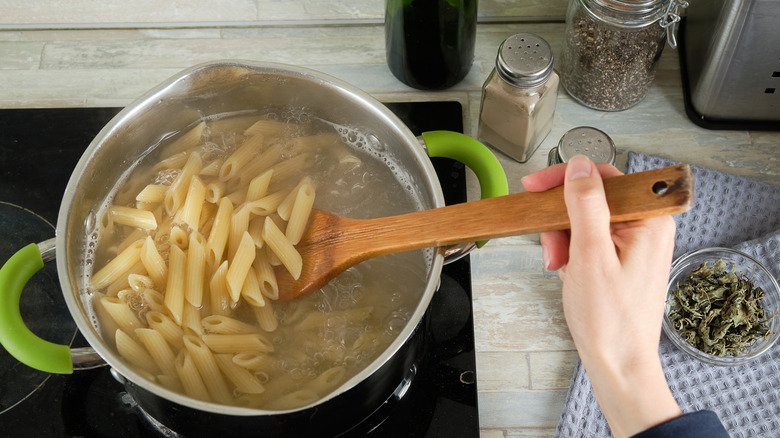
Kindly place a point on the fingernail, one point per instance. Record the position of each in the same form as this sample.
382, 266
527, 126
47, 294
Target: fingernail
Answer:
545, 258
579, 167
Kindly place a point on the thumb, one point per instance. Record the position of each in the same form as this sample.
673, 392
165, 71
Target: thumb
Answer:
586, 204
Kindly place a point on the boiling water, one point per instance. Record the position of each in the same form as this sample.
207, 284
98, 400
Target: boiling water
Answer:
323, 339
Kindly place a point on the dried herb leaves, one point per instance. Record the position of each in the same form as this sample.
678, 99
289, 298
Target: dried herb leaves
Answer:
719, 310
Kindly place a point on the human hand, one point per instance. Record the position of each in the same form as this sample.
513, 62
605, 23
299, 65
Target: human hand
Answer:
614, 284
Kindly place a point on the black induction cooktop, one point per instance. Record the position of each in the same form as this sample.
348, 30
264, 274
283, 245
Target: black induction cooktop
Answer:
39, 149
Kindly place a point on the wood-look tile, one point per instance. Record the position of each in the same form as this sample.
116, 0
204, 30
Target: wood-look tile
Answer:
552, 369
360, 46
20, 55
10, 35
503, 371
520, 410
113, 12
516, 306
527, 432
117, 11
66, 88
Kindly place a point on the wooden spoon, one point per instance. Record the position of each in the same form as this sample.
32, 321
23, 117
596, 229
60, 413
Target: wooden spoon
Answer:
334, 243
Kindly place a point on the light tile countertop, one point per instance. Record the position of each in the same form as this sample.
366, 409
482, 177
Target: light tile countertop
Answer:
525, 354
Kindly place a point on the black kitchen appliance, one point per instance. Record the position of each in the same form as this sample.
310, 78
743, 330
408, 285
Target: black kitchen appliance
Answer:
39, 149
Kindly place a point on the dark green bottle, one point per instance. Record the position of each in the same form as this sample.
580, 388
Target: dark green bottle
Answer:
430, 43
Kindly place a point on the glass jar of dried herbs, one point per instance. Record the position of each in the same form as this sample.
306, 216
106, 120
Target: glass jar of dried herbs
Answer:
611, 49
719, 310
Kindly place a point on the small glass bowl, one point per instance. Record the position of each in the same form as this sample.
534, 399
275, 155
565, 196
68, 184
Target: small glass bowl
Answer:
752, 269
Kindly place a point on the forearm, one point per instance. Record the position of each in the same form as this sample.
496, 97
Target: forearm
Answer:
632, 396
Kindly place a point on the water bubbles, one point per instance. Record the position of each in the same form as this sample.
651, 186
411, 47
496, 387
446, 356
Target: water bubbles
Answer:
166, 177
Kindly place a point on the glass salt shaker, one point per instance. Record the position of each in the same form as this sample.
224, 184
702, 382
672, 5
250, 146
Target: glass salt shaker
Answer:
518, 97
584, 140
611, 48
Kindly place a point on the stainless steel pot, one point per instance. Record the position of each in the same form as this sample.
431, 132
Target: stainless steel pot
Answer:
201, 91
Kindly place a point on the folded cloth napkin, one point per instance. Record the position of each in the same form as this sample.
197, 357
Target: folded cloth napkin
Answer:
730, 211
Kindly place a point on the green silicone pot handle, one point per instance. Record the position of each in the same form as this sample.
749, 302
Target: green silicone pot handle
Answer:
17, 339
475, 155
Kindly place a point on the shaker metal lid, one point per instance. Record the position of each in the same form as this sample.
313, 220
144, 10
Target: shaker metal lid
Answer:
588, 141
524, 60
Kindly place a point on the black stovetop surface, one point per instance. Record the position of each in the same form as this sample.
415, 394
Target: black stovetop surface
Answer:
39, 149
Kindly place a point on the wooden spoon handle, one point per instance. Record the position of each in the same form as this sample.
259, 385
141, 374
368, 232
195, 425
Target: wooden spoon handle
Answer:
658, 192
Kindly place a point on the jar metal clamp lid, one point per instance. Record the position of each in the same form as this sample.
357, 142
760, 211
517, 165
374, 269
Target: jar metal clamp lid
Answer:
584, 140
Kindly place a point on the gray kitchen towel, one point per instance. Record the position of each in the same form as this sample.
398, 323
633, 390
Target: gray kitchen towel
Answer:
730, 211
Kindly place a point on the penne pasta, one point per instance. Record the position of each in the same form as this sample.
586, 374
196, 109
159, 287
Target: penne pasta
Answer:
191, 318
237, 124
158, 349
292, 166
196, 270
170, 382
139, 283
152, 194
169, 330
174, 289
266, 318
214, 191
299, 216
131, 238
318, 320
219, 296
107, 324
122, 282
177, 192
154, 263
240, 157
253, 360
121, 314
186, 141
281, 246
327, 381
301, 397
266, 278
190, 378
245, 382
134, 352
154, 300
251, 292
240, 266
256, 231
239, 224
174, 161
220, 233
207, 368
258, 187
117, 267
225, 325
186, 282
178, 238
269, 128
310, 143
262, 163
237, 343
193, 203
265, 205
212, 169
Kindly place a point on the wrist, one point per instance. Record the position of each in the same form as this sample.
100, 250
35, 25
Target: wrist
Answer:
633, 396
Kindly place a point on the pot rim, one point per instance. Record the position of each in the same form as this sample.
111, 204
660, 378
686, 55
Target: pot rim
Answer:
89, 329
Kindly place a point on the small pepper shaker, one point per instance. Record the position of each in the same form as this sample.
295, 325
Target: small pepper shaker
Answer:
583, 140
518, 97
